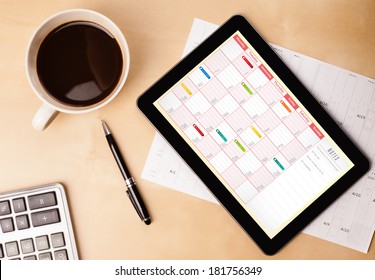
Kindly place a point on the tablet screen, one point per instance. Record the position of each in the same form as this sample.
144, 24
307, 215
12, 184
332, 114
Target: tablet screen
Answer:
253, 134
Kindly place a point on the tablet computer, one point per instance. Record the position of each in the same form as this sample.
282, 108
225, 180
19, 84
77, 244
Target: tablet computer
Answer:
254, 135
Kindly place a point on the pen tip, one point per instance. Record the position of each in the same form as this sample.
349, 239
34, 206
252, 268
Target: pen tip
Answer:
147, 221
105, 128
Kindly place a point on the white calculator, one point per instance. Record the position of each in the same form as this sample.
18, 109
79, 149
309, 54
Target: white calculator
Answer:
35, 224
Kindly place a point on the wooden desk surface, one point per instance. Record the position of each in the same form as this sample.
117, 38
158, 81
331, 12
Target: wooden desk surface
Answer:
73, 149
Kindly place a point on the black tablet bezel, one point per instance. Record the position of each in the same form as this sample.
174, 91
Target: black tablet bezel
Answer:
145, 104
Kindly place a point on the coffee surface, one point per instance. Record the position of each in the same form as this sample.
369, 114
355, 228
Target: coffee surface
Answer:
79, 63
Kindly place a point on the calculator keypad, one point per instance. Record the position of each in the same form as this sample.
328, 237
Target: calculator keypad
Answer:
35, 226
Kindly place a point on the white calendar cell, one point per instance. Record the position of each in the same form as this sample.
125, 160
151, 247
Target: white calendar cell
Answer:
195, 132
282, 108
257, 79
217, 62
277, 164
211, 119
280, 136
246, 191
221, 162
198, 104
268, 121
239, 120
201, 76
248, 164
295, 123
236, 149
233, 176
294, 150
185, 89
170, 102
252, 135
208, 147
182, 117
264, 150
255, 106
214, 91
242, 92
223, 134
226, 106
261, 178
308, 138
269, 94
244, 64
230, 77
232, 50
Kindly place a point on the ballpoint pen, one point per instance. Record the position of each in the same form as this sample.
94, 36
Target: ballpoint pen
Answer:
131, 191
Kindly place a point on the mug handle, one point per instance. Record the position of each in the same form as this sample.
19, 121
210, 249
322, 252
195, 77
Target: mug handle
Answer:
43, 117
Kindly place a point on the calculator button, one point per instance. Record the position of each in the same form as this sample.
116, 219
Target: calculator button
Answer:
42, 200
45, 217
22, 222
12, 249
57, 240
31, 258
45, 256
7, 225
19, 205
61, 255
4, 208
42, 243
27, 246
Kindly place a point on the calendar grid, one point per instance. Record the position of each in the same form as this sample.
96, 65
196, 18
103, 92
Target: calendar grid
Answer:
250, 130
218, 99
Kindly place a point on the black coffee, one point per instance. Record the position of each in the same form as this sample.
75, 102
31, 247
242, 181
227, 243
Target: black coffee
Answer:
79, 63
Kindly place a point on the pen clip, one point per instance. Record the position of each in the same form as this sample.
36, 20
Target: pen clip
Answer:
134, 204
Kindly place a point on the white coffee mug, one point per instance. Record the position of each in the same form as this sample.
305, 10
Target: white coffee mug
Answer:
50, 106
